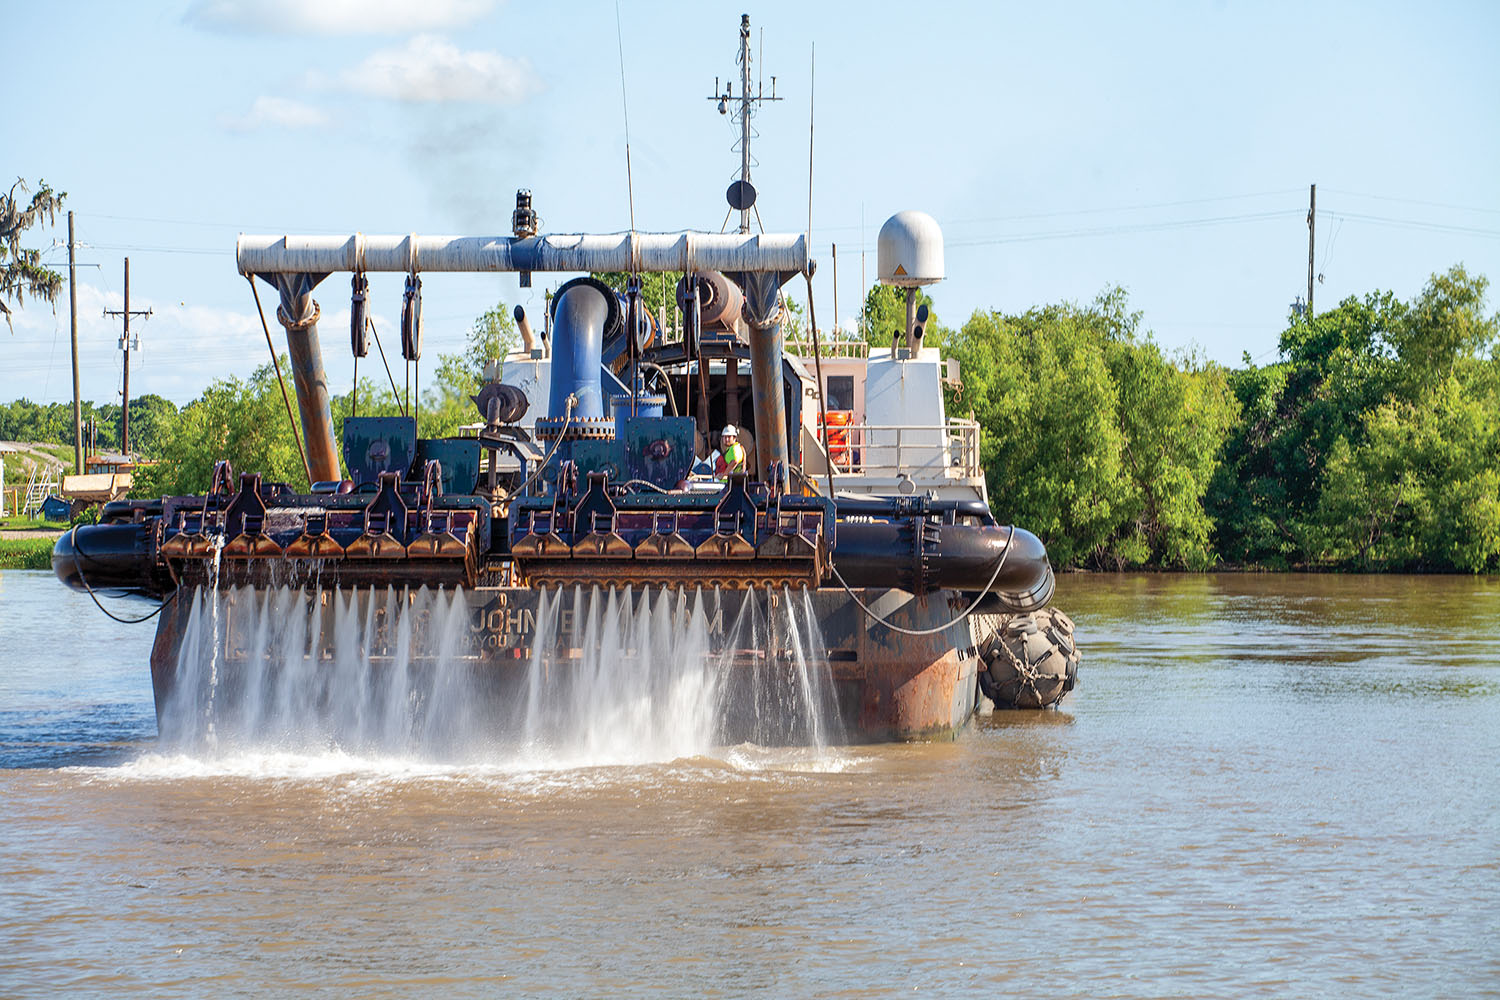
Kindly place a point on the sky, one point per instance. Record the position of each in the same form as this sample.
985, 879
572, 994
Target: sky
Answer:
1064, 148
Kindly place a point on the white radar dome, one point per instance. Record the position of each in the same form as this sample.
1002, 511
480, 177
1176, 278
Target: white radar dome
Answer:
910, 250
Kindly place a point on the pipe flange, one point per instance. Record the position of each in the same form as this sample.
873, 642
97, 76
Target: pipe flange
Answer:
623, 402
298, 325
576, 429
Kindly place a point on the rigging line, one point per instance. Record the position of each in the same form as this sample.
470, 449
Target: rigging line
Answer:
812, 313
395, 393
625, 109
812, 90
306, 469
812, 317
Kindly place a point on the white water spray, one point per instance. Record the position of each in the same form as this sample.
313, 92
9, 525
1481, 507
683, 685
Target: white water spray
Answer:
606, 676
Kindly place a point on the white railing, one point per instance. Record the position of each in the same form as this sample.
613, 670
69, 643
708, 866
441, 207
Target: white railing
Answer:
921, 451
802, 346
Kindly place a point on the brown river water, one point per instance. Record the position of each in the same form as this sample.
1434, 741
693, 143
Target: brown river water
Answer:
1264, 786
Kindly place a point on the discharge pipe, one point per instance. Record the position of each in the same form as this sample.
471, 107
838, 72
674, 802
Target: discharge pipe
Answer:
919, 556
583, 312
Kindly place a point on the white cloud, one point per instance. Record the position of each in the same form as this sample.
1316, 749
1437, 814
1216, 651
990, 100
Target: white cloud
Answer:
334, 17
430, 69
276, 112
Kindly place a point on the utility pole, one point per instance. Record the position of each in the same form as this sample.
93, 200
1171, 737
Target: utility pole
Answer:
73, 328
1312, 222
125, 348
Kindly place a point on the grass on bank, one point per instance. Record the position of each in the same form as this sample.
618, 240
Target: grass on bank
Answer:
16, 522
26, 553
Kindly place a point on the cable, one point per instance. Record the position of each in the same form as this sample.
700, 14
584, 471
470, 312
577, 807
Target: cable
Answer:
666, 381
83, 580
297, 437
812, 317
999, 565
567, 418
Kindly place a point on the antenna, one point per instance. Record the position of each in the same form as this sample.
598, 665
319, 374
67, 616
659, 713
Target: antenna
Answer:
741, 194
812, 89
625, 107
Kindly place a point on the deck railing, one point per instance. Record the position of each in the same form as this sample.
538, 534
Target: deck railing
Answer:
802, 347
921, 451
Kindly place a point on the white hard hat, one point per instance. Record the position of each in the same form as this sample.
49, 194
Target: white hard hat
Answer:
729, 431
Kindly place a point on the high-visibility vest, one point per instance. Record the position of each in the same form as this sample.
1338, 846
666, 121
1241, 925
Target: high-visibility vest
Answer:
733, 460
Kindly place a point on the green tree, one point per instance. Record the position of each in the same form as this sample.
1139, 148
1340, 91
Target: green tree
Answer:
1368, 364
883, 318
1092, 437
242, 420
491, 338
21, 270
1422, 490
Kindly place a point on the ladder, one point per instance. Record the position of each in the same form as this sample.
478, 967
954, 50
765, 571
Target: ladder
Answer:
41, 485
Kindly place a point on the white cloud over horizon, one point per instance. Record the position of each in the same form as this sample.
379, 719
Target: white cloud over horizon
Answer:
333, 17
276, 112
431, 69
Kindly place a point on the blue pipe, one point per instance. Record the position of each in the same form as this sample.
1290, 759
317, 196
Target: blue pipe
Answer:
582, 312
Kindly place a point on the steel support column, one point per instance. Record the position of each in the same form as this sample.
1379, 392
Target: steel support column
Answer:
763, 316
299, 315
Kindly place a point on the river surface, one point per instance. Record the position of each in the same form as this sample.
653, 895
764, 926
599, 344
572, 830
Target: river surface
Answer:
1264, 786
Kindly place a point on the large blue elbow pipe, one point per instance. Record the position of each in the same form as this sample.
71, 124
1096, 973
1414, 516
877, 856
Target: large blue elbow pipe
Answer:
583, 311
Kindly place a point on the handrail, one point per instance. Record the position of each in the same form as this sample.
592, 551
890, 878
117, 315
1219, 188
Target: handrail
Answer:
803, 347
937, 450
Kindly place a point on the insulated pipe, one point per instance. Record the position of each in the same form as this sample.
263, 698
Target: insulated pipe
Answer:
580, 312
299, 315
633, 252
953, 557
763, 315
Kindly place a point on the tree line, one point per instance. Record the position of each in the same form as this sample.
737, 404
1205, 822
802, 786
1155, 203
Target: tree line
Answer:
1372, 442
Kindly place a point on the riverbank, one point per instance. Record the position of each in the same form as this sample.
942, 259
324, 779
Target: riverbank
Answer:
29, 548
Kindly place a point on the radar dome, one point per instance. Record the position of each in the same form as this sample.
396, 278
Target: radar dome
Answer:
910, 250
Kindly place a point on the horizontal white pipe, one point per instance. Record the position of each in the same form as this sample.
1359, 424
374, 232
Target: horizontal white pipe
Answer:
576, 252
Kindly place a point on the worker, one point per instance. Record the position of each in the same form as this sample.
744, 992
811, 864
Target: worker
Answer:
731, 453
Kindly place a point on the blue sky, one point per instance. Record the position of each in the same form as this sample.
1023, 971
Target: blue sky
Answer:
1064, 148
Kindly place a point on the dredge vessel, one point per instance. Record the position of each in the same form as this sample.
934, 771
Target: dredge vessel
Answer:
862, 502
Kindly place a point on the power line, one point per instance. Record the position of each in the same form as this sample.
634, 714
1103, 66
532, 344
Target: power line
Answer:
1417, 201
1130, 228
1100, 211
1419, 224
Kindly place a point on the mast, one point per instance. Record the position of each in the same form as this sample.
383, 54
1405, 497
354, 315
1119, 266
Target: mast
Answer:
745, 114
741, 193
